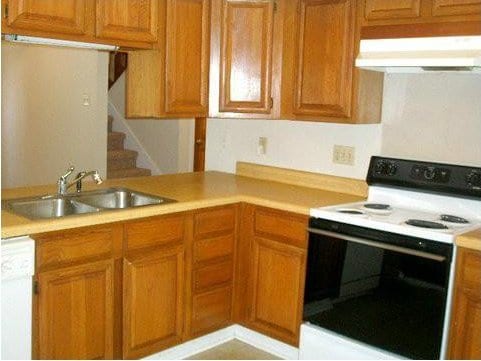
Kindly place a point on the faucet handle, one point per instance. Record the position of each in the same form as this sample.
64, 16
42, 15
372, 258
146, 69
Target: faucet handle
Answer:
69, 171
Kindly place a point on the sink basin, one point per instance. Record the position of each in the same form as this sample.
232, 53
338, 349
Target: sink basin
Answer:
118, 198
49, 208
79, 203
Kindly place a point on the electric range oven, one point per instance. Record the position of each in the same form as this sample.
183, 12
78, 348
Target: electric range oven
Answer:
379, 273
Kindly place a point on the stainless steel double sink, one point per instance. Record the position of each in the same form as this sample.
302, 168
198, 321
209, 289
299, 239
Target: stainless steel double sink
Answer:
54, 206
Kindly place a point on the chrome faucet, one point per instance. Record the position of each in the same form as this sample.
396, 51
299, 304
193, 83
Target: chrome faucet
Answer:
63, 185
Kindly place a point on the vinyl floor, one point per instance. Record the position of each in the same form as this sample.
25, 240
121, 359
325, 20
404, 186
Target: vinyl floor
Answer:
233, 350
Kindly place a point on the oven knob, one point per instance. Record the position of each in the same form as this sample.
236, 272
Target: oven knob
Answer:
391, 169
474, 179
381, 167
429, 173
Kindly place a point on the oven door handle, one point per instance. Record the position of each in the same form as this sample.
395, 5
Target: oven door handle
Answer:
386, 246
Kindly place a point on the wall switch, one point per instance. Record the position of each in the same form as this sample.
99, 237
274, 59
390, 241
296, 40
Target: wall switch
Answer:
343, 155
86, 100
262, 146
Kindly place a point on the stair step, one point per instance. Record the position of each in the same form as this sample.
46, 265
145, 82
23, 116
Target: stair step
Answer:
128, 173
110, 121
115, 140
121, 159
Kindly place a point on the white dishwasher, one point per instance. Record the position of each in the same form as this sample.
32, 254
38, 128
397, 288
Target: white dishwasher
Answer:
18, 255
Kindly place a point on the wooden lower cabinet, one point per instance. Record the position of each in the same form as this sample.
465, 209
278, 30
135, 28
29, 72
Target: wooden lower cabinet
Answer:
152, 300
270, 272
465, 332
76, 312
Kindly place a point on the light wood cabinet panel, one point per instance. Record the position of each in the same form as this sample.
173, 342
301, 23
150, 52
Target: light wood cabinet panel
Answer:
270, 271
152, 301
324, 58
134, 20
172, 80
76, 312
246, 56
388, 9
50, 16
456, 7
211, 310
465, 332
187, 56
278, 288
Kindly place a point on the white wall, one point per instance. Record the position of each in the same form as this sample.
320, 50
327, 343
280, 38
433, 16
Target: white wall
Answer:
168, 142
45, 126
306, 146
425, 116
434, 116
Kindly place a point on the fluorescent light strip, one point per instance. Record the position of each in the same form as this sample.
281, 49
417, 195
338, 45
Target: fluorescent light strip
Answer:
56, 42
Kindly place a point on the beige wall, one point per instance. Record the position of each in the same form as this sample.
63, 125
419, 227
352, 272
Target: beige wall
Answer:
168, 142
434, 116
45, 125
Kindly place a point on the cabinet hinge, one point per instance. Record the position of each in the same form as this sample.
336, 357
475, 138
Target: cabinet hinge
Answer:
36, 288
271, 102
5, 11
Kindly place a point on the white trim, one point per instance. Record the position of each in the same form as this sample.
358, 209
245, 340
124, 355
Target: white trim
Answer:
144, 160
216, 338
56, 42
267, 344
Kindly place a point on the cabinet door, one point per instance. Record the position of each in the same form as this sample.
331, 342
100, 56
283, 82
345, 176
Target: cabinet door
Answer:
465, 332
75, 312
242, 57
456, 7
187, 56
388, 9
278, 288
324, 58
152, 301
134, 20
51, 16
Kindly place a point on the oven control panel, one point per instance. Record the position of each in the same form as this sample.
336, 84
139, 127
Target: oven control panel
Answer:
425, 176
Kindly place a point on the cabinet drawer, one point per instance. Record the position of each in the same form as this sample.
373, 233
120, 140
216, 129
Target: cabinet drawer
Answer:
216, 220
80, 245
211, 310
291, 229
212, 275
155, 231
211, 248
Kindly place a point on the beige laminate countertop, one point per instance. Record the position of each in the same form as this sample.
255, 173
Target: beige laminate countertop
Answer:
191, 190
470, 240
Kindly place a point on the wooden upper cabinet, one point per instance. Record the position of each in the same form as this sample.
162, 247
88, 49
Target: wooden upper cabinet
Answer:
388, 9
49, 16
465, 331
152, 301
76, 312
323, 59
187, 56
456, 7
133, 20
246, 56
243, 58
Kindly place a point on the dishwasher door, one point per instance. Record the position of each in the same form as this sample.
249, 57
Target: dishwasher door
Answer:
17, 256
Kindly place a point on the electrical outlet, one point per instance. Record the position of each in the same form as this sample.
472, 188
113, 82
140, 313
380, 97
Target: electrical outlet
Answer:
343, 155
262, 146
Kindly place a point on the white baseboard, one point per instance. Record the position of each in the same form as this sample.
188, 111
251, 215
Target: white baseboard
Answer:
216, 338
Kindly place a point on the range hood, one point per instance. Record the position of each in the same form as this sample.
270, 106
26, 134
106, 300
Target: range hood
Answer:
415, 55
56, 42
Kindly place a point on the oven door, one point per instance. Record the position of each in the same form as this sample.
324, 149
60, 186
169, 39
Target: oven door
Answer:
389, 296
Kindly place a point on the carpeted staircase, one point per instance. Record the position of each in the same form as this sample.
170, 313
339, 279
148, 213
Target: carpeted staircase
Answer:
121, 163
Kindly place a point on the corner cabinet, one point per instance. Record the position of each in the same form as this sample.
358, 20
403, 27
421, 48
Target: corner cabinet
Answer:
275, 251
172, 80
465, 331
